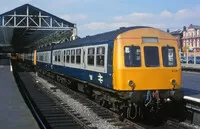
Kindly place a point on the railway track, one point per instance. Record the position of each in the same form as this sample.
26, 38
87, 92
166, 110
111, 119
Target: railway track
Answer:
48, 113
109, 118
100, 117
170, 124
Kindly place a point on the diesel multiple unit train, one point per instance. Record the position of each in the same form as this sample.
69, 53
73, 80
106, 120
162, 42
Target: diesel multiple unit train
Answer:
130, 69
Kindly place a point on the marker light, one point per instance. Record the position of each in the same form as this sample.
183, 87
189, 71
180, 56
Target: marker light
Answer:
131, 84
173, 82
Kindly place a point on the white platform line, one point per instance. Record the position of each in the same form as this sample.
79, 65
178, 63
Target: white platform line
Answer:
192, 99
11, 67
190, 72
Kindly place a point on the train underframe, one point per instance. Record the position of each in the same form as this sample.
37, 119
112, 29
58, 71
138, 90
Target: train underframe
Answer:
134, 105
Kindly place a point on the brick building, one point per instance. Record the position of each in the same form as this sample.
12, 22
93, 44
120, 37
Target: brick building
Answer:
191, 37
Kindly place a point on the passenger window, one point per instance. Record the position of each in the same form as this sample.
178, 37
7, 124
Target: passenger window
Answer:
64, 56
59, 56
45, 57
132, 56
73, 56
68, 56
55, 56
151, 56
169, 56
78, 56
91, 56
41, 58
100, 54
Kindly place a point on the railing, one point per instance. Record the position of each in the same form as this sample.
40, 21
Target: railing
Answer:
190, 59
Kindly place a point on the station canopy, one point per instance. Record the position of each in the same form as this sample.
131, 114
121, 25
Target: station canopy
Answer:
26, 27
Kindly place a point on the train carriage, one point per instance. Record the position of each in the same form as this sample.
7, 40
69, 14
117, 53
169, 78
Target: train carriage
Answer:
90, 62
125, 67
28, 58
43, 58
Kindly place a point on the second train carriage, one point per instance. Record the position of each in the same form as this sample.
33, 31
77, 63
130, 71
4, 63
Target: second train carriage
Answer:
134, 64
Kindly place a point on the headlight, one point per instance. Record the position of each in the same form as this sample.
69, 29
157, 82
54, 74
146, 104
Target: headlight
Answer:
173, 82
131, 84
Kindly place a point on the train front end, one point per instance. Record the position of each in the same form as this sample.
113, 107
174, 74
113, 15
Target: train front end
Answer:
147, 65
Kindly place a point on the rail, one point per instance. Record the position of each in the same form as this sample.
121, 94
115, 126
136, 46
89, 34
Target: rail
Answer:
169, 124
106, 114
48, 113
193, 110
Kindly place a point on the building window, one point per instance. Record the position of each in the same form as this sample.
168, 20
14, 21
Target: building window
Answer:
194, 33
91, 56
198, 43
100, 56
73, 56
194, 43
184, 43
78, 56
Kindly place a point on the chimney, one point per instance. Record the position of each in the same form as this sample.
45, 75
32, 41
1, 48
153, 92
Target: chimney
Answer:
168, 30
184, 28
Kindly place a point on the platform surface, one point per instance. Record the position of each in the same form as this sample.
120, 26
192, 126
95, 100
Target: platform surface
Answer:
14, 111
191, 84
192, 66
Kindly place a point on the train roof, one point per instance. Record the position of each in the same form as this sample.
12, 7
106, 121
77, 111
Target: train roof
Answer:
107, 36
47, 48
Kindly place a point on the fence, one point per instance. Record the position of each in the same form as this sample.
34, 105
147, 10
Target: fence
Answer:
190, 57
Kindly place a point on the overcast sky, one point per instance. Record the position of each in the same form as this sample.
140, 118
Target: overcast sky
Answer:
96, 16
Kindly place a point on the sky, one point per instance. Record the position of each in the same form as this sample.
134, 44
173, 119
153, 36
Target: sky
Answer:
98, 16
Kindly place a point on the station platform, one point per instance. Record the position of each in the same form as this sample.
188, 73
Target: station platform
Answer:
191, 66
191, 84
14, 112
